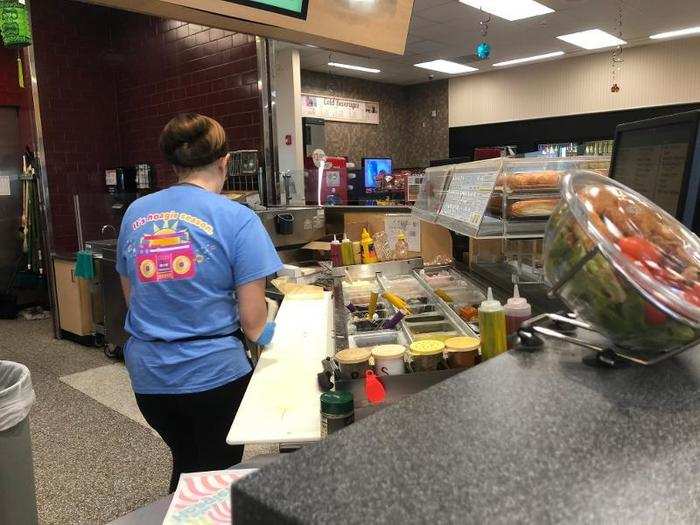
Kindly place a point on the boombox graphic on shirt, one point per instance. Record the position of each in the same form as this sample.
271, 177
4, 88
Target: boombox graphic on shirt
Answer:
166, 255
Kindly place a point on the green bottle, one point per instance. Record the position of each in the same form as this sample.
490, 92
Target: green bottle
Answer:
492, 327
346, 251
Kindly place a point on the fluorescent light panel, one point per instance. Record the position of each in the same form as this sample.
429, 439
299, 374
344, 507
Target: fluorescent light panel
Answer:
355, 68
680, 32
592, 39
510, 9
445, 66
529, 59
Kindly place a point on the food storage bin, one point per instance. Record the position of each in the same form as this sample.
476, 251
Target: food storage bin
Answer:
389, 360
425, 318
625, 266
353, 362
462, 352
427, 355
370, 339
424, 328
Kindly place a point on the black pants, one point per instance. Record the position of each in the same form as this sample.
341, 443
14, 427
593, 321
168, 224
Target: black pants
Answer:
195, 426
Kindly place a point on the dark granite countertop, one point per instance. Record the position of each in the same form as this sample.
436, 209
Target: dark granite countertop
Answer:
526, 437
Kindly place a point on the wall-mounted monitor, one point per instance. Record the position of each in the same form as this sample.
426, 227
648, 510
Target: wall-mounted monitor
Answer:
295, 8
660, 158
372, 167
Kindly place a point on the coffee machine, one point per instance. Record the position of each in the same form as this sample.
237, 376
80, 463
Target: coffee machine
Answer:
125, 184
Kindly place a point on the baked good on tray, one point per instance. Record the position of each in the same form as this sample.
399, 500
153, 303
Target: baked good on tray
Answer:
532, 208
531, 180
525, 208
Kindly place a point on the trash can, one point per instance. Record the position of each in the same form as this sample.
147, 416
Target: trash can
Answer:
17, 496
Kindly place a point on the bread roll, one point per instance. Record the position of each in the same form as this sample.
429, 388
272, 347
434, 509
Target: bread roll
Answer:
532, 180
533, 208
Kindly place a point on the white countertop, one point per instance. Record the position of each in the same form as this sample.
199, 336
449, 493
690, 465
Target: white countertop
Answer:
281, 404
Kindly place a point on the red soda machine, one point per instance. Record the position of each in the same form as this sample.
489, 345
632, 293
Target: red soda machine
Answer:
334, 181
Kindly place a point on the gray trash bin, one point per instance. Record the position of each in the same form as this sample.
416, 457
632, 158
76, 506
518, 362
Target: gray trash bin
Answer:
17, 496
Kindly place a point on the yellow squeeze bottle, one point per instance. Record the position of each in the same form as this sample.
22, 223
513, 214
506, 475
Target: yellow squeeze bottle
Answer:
369, 255
492, 327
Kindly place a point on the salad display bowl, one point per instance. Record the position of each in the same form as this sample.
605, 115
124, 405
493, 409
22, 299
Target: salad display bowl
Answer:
625, 266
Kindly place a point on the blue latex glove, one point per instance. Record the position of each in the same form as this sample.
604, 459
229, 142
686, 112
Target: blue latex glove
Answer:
267, 333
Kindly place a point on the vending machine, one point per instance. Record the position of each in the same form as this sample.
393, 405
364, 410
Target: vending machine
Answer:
334, 183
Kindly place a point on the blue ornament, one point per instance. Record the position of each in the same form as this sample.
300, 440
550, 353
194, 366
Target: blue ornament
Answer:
483, 50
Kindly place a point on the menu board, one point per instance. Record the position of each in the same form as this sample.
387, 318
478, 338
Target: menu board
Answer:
654, 171
653, 161
295, 8
339, 109
467, 197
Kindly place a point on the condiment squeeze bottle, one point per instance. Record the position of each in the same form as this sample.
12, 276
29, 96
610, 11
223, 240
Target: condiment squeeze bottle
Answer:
374, 389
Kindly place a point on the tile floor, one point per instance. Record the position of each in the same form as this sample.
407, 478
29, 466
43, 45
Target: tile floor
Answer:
92, 461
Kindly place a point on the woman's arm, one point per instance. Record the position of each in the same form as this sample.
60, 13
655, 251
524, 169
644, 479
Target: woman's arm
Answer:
252, 308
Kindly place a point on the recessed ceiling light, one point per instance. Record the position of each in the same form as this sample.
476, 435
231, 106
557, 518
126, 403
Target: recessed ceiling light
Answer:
680, 32
510, 9
445, 66
529, 59
592, 39
355, 68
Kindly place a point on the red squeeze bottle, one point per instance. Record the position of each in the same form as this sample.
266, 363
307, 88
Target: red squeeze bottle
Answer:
374, 389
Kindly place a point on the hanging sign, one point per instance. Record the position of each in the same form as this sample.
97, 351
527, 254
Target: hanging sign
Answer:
339, 109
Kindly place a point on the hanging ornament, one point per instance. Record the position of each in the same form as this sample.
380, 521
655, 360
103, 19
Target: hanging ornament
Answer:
14, 24
483, 48
616, 58
15, 31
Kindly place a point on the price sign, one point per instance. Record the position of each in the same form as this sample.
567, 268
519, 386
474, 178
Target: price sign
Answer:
468, 196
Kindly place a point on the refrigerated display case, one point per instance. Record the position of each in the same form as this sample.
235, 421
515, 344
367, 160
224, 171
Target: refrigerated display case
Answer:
507, 199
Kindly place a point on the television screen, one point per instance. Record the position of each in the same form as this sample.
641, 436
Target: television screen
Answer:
374, 167
295, 8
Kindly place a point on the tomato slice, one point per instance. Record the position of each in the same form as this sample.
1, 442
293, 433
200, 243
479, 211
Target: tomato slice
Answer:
653, 315
639, 249
693, 295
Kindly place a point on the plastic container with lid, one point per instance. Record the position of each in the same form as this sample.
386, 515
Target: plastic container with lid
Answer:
353, 362
462, 352
518, 310
389, 360
625, 266
337, 411
401, 247
492, 327
427, 355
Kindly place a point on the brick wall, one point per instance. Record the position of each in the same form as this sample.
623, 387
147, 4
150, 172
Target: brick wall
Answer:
109, 81
171, 67
78, 111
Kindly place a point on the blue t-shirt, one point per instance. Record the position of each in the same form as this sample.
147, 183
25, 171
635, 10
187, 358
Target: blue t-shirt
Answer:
185, 250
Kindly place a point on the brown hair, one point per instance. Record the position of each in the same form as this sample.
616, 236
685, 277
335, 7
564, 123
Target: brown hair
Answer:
191, 140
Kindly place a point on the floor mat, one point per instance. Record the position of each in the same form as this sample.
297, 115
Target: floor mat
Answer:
110, 386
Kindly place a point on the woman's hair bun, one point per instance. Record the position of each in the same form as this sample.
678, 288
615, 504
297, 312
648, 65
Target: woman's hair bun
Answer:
191, 140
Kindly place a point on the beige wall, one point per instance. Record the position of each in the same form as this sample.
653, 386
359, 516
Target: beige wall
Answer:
407, 131
652, 75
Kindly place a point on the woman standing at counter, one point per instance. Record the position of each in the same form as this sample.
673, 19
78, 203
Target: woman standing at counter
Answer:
193, 266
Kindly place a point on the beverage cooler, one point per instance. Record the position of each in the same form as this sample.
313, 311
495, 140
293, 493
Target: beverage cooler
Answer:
334, 183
